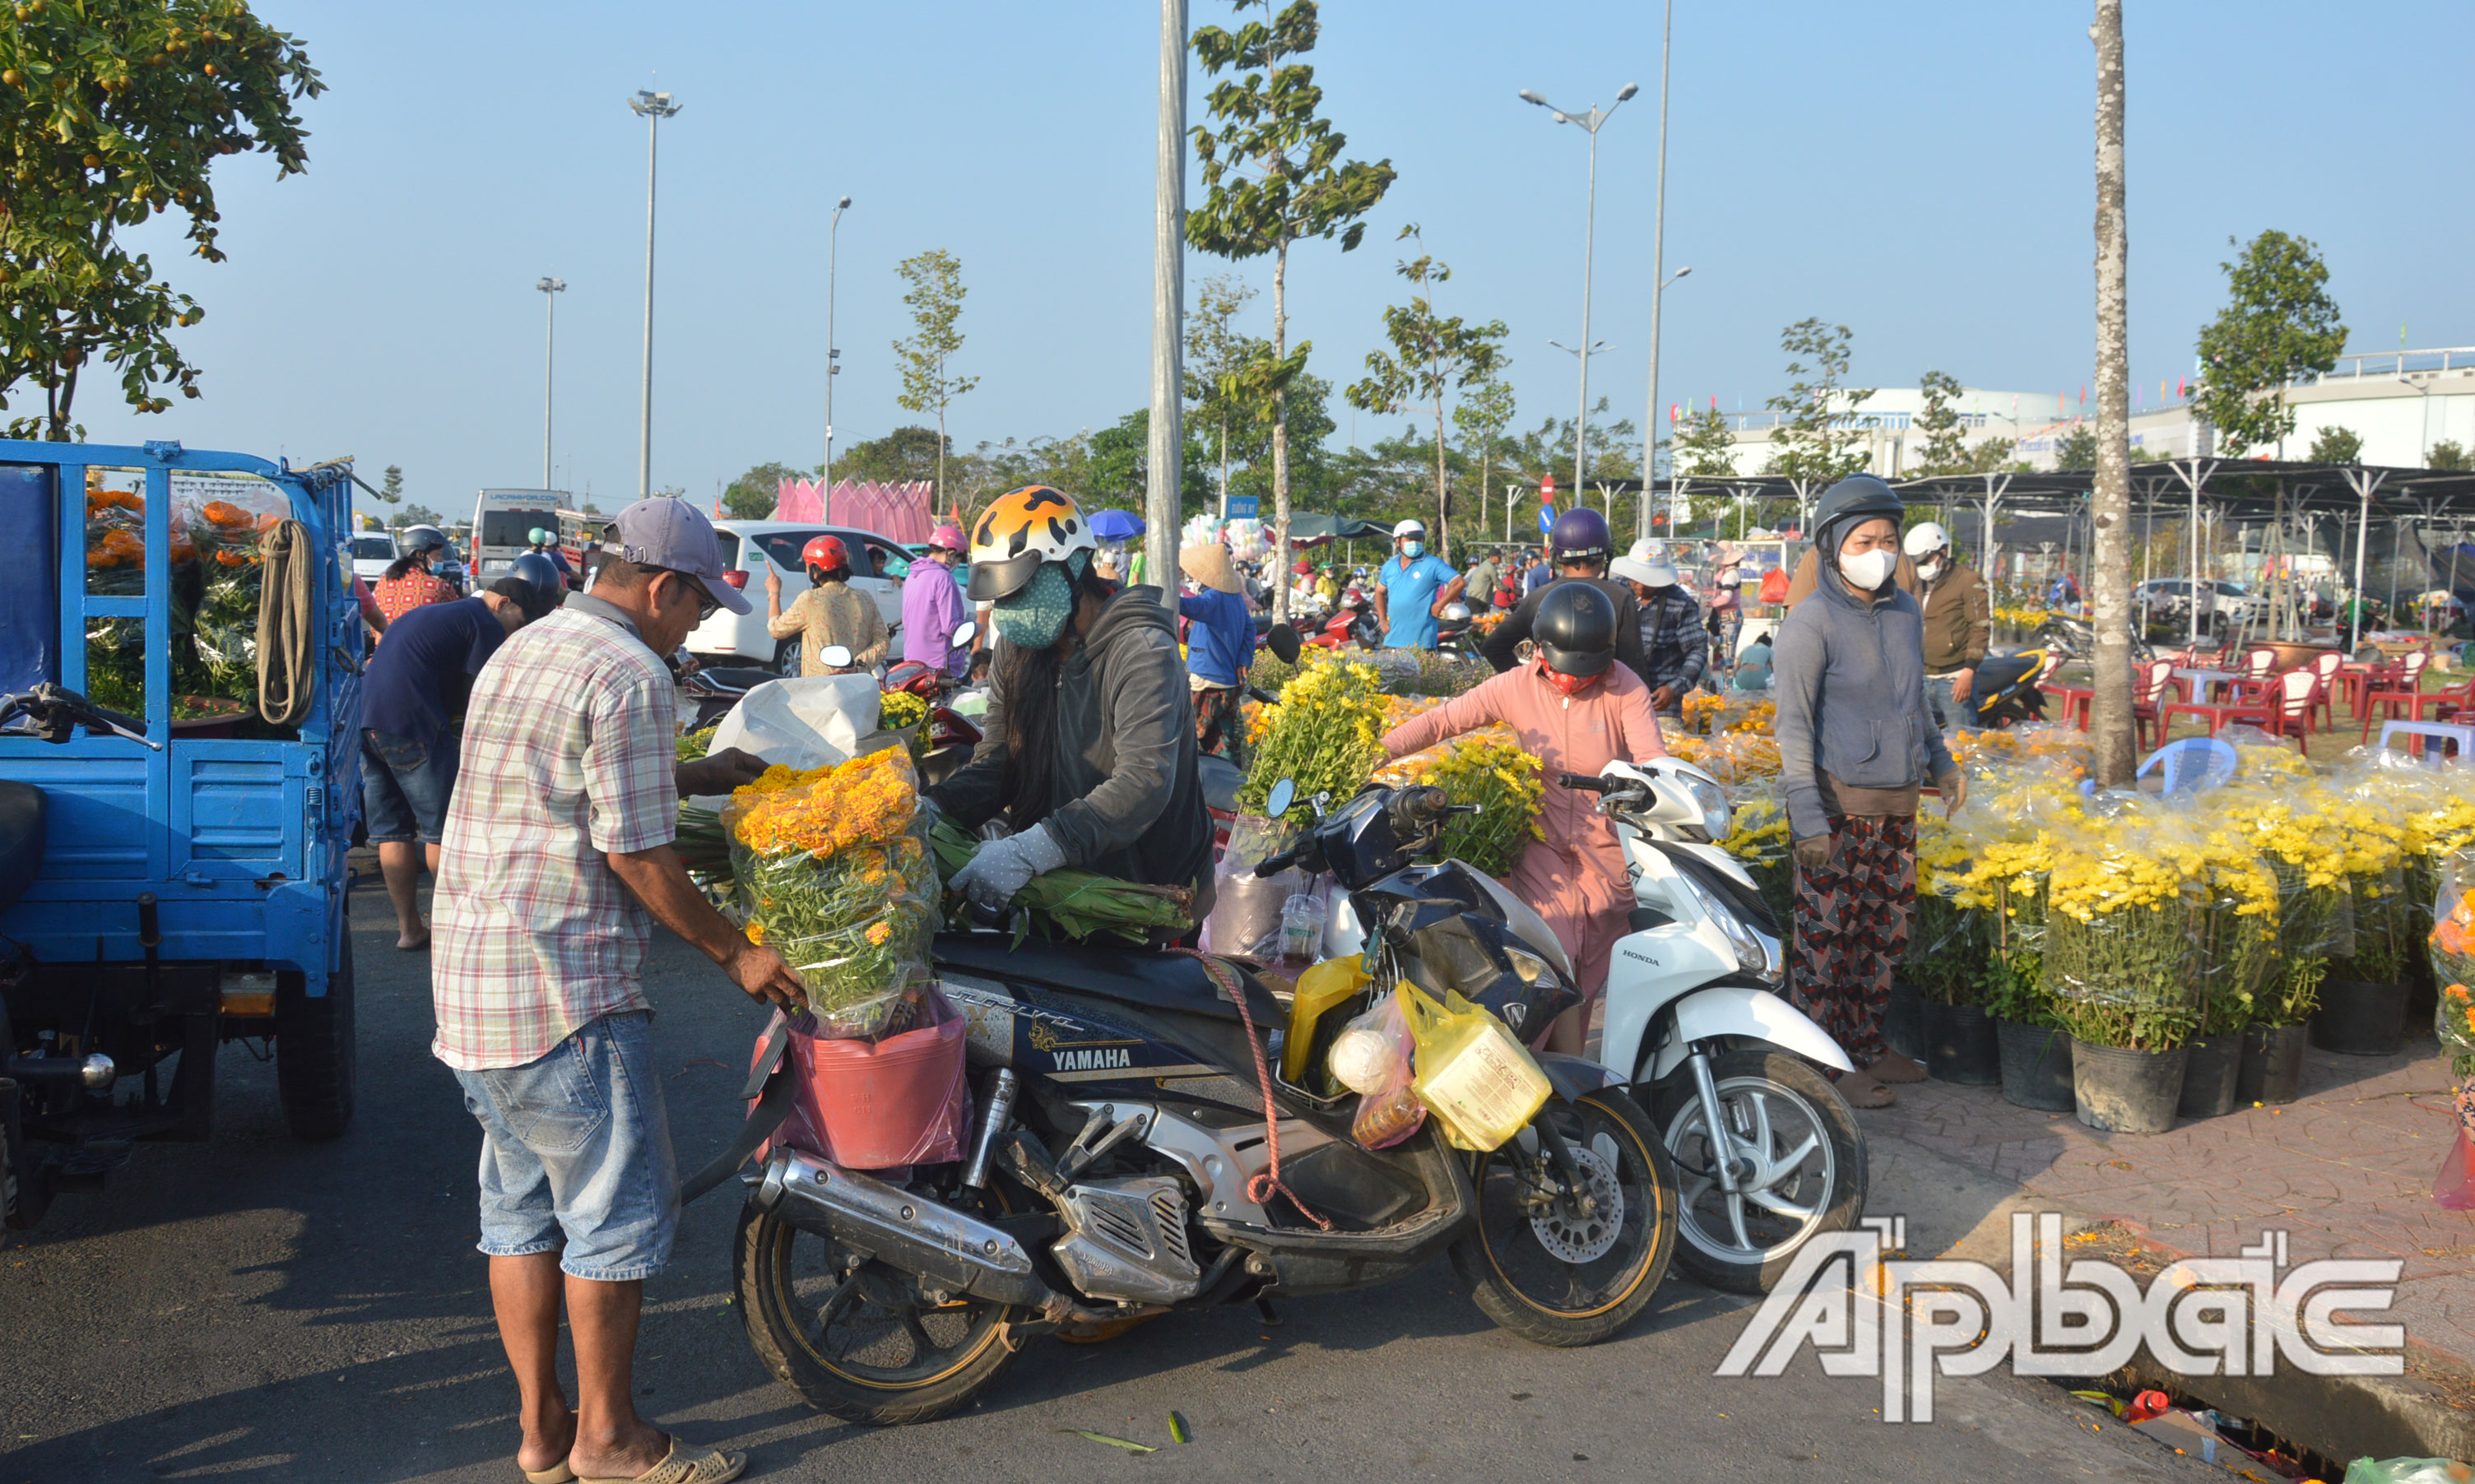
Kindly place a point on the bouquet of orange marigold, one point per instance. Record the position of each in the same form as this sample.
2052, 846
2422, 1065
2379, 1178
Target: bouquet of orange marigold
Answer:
833, 872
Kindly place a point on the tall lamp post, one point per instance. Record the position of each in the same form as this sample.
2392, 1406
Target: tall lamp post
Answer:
1590, 122
1657, 266
653, 108
833, 356
1165, 451
550, 289
1650, 443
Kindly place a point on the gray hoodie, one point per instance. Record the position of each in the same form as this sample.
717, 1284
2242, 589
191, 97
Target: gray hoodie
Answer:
1850, 680
1125, 800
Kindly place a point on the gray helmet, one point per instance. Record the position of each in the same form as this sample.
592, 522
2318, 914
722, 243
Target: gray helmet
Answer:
541, 574
418, 539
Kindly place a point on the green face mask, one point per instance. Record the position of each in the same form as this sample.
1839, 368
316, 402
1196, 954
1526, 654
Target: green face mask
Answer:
1033, 617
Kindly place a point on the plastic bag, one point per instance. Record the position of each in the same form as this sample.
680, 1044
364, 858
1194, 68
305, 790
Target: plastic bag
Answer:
2454, 1187
810, 723
1470, 1072
1373, 1057
833, 871
2408, 1470
904, 1099
1245, 921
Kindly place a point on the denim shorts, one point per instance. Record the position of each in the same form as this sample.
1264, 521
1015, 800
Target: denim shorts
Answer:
406, 786
576, 1153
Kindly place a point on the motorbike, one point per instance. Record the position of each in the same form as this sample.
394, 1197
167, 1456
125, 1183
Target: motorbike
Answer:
1456, 629
950, 737
2005, 692
1352, 622
1767, 1152
2075, 638
1143, 1142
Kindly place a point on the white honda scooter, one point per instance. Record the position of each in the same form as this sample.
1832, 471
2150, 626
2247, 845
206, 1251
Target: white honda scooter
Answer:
1695, 1023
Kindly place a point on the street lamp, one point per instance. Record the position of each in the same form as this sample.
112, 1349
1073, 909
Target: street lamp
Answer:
833, 357
1580, 491
653, 108
1649, 444
1590, 122
1658, 264
2422, 421
550, 289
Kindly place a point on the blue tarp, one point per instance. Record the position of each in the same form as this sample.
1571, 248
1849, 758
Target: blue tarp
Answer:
30, 600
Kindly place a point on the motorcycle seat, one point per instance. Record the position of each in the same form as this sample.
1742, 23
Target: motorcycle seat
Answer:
1148, 979
21, 840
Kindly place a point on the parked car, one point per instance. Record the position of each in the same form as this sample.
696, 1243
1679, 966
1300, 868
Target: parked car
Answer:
753, 549
373, 552
2222, 605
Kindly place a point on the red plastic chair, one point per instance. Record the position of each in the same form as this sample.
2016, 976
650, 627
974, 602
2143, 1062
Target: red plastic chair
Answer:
2286, 711
2149, 686
2399, 689
2258, 700
2324, 669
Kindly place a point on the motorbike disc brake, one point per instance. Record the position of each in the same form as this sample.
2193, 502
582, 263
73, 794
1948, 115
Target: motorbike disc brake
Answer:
1573, 1236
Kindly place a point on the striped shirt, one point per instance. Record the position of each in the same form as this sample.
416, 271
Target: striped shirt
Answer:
569, 756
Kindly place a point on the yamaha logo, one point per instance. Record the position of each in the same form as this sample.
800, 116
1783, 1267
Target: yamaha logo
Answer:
1098, 1060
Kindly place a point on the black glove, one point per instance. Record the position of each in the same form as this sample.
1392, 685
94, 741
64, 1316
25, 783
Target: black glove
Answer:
1813, 852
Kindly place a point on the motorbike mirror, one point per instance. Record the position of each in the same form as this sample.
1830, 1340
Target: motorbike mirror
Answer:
1283, 794
964, 633
838, 656
1525, 651
1284, 644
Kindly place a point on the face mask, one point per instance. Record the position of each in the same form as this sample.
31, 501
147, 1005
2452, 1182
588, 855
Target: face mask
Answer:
1868, 571
1412, 550
1931, 570
1033, 617
1569, 684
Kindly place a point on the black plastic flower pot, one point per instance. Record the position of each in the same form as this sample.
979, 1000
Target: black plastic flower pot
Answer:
2272, 1065
2210, 1070
1960, 1045
1903, 1022
2118, 1090
2357, 1019
2036, 1066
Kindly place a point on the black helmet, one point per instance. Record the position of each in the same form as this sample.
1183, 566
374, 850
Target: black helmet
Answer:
1581, 535
541, 574
1576, 627
1856, 497
417, 539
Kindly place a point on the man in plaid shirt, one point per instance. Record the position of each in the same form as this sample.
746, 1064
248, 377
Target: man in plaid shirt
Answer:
556, 863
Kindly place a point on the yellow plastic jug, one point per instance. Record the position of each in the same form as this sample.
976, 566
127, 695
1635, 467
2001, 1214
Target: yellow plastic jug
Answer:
1319, 989
1472, 1074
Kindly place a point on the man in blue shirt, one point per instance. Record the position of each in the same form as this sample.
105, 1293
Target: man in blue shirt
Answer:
1411, 588
1219, 649
413, 694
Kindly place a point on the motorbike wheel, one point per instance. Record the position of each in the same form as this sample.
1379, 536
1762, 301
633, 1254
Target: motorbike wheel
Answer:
1810, 1168
315, 1052
1554, 1276
861, 1343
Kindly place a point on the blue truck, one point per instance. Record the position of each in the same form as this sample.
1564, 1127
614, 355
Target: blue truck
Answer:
181, 653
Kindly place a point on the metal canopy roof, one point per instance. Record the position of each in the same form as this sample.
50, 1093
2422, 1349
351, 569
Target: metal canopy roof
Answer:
2240, 487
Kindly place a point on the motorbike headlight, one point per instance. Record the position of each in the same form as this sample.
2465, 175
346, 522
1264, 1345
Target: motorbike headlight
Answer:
1534, 969
1751, 956
1716, 812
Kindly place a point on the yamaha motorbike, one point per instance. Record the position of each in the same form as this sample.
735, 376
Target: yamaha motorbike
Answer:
1145, 1141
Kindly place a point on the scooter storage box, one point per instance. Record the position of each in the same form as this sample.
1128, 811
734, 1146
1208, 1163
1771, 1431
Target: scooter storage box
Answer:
876, 1104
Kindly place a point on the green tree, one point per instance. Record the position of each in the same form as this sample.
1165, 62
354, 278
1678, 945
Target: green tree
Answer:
1218, 353
935, 301
2077, 449
1120, 465
1485, 409
2336, 445
1274, 177
2279, 324
908, 454
752, 495
1816, 442
1703, 448
112, 111
423, 515
1431, 355
391, 485
1945, 444
2447, 453
1309, 459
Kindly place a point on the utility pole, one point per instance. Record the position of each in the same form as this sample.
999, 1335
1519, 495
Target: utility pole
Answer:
653, 108
1165, 464
833, 356
1590, 123
1658, 271
550, 289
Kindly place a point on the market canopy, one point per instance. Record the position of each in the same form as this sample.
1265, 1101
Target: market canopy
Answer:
2244, 488
1117, 525
1314, 530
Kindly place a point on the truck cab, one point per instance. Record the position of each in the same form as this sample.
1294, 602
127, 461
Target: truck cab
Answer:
175, 805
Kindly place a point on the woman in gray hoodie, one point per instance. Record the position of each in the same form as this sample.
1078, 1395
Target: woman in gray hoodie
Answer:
1856, 747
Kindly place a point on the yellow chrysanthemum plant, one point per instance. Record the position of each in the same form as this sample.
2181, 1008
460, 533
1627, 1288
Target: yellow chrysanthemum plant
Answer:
1326, 735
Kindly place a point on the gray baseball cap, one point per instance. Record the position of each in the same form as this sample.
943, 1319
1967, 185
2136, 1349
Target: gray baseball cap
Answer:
674, 534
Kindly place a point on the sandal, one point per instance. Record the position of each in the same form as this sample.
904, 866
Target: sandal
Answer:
1893, 1067
556, 1474
1859, 1089
676, 1468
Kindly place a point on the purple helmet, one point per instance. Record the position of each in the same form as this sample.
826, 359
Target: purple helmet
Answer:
1581, 535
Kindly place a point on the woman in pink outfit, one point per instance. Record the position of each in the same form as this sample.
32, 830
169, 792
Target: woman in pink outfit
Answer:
1576, 711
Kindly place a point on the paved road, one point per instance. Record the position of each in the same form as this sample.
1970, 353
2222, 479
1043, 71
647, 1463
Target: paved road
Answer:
259, 1309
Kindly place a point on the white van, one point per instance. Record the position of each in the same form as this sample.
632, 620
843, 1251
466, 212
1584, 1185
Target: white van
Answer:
753, 549
502, 526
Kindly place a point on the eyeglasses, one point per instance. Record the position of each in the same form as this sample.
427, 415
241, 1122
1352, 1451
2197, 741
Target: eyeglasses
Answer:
707, 605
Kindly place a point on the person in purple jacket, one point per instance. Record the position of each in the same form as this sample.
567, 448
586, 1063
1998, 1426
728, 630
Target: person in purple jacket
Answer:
932, 607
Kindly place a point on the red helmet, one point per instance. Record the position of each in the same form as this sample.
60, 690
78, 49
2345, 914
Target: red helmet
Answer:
825, 552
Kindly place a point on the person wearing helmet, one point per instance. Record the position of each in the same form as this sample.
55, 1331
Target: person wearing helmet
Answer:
1088, 749
1675, 652
1576, 709
1581, 543
408, 583
830, 612
1856, 750
1800, 586
1958, 620
1420, 582
543, 541
932, 607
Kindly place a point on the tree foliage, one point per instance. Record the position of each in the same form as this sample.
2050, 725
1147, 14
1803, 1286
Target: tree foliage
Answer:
1702, 446
1485, 409
1947, 449
2336, 445
2447, 453
1218, 353
908, 454
2077, 449
1431, 353
2279, 326
391, 485
752, 495
935, 301
112, 111
1817, 439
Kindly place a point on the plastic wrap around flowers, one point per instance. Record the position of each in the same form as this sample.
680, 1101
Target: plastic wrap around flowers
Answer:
833, 872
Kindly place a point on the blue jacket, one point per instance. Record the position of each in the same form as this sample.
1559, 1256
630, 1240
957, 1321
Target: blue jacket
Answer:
1220, 646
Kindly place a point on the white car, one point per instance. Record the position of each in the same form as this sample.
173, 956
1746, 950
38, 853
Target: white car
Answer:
2221, 603
373, 552
753, 549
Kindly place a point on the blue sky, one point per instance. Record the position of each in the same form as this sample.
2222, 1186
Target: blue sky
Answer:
1920, 172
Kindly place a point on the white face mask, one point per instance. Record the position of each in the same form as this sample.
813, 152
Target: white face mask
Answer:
1930, 569
1868, 571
